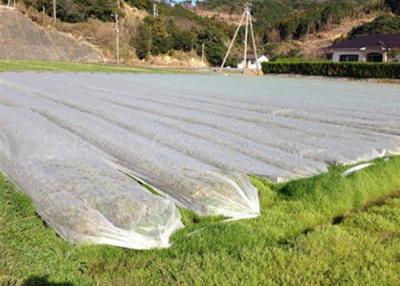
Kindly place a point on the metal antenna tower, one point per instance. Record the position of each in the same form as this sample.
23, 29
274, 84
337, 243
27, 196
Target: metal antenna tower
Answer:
249, 28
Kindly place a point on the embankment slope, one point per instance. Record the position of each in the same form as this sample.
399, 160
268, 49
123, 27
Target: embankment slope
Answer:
22, 39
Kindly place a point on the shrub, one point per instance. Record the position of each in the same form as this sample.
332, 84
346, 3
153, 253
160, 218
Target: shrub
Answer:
394, 55
355, 70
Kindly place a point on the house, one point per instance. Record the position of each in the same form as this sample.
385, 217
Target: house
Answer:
370, 48
251, 62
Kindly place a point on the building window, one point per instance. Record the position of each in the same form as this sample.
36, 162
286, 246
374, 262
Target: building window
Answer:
349, 58
374, 57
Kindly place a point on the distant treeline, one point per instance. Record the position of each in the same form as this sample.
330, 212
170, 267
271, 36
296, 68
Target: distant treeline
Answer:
160, 35
181, 29
74, 11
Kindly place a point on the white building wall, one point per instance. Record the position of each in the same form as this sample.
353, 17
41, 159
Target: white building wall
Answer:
337, 54
362, 55
252, 64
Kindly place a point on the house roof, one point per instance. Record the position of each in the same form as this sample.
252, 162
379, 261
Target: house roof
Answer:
384, 40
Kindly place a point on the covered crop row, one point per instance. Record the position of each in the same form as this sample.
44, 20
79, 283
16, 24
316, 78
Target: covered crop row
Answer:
356, 70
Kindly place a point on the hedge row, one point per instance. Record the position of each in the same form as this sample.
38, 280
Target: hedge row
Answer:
343, 69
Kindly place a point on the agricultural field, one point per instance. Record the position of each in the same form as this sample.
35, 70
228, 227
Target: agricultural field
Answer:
18, 66
263, 181
327, 230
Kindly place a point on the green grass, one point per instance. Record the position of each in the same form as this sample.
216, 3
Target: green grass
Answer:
13, 65
325, 230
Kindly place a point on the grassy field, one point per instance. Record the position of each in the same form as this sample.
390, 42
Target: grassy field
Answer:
13, 65
326, 230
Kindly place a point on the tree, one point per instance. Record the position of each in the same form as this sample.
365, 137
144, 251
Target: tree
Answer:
100, 9
162, 41
394, 55
181, 39
215, 49
143, 43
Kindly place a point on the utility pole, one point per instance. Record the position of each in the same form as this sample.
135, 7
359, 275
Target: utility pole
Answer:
249, 24
117, 32
155, 10
254, 44
55, 11
247, 12
202, 52
43, 14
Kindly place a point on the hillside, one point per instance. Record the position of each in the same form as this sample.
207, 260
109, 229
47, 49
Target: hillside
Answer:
177, 36
310, 47
385, 24
22, 39
301, 28
172, 39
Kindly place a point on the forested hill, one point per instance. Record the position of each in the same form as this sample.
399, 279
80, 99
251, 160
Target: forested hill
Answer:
181, 27
284, 22
293, 19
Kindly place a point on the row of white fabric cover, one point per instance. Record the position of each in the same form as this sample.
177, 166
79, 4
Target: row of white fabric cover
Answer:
76, 189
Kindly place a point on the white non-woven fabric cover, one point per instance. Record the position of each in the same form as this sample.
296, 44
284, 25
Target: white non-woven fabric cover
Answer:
192, 138
77, 189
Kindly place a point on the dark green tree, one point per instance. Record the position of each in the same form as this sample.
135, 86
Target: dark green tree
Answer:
161, 40
143, 42
181, 39
213, 39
